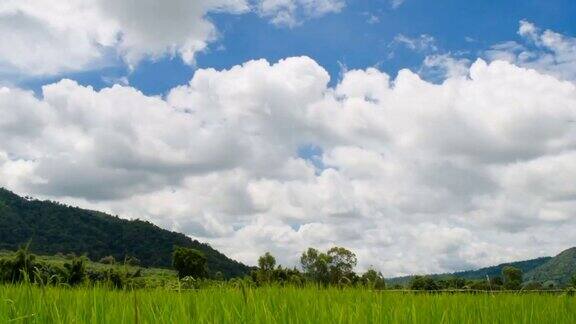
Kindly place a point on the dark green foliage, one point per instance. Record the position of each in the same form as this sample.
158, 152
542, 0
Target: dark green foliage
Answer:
75, 271
573, 280
334, 267
53, 227
341, 265
533, 285
267, 262
423, 283
316, 266
497, 281
21, 267
133, 261
189, 262
268, 273
373, 280
512, 277
266, 265
451, 283
482, 285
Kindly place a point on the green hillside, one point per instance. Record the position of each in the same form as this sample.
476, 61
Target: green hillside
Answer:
52, 227
558, 269
493, 271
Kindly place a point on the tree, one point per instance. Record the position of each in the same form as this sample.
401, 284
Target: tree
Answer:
336, 266
373, 279
267, 262
342, 263
533, 285
512, 277
573, 280
316, 265
189, 262
423, 283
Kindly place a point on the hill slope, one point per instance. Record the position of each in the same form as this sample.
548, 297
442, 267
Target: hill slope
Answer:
558, 269
53, 227
493, 271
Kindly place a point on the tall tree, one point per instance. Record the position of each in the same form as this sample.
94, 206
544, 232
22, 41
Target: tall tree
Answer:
512, 277
189, 262
316, 265
373, 279
342, 263
267, 262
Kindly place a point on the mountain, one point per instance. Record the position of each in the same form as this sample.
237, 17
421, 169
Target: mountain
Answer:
559, 269
52, 227
493, 271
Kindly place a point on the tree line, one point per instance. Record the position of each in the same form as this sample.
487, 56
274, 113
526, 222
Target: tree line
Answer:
334, 267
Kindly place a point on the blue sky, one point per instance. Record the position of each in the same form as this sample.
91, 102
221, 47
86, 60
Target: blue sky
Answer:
346, 39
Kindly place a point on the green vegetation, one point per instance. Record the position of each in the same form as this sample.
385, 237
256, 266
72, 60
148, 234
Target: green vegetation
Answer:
480, 274
558, 271
70, 270
25, 303
190, 263
52, 228
122, 288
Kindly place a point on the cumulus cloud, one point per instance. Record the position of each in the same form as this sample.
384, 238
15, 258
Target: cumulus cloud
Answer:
543, 50
412, 176
43, 37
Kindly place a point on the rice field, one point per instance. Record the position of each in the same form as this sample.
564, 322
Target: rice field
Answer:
33, 304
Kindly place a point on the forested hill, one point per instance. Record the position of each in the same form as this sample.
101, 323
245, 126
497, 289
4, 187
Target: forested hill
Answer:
493, 271
560, 269
52, 227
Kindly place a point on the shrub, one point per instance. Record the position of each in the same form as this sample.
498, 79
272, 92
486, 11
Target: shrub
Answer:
189, 262
108, 260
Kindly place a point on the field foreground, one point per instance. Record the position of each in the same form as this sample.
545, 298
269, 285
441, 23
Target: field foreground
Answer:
32, 304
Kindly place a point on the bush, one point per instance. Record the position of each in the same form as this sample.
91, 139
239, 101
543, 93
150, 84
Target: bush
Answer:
132, 261
532, 285
108, 260
75, 271
423, 283
189, 262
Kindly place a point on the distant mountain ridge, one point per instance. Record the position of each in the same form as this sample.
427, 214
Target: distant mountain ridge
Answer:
557, 270
492, 271
52, 227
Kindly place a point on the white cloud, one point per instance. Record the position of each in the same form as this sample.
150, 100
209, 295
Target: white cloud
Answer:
396, 3
443, 66
546, 51
43, 37
422, 43
417, 177
292, 12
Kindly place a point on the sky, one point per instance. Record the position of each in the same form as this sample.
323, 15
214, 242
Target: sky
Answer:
425, 136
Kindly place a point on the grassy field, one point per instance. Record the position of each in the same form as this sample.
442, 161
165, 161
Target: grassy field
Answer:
32, 304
